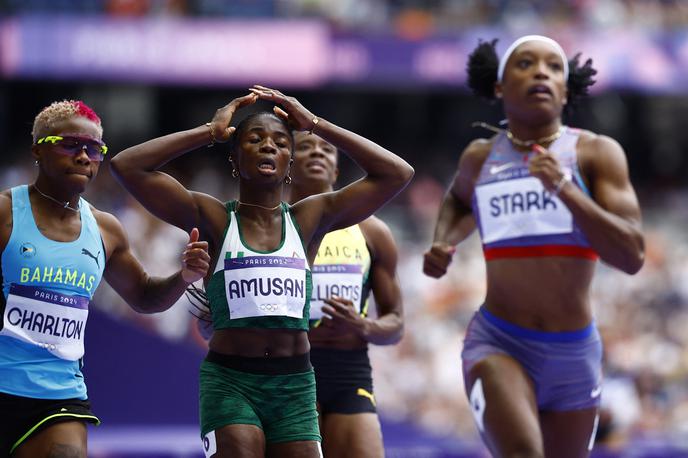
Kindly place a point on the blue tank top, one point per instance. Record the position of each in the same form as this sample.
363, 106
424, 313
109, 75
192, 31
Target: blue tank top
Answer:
47, 286
517, 217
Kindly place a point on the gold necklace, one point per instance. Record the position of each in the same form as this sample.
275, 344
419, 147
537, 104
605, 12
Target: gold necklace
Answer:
62, 204
260, 206
518, 141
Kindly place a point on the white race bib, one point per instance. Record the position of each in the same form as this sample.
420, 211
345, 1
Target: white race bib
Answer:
265, 286
342, 280
520, 207
209, 444
47, 319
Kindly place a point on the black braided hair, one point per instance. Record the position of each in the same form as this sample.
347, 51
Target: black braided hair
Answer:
483, 64
241, 127
580, 79
198, 298
482, 67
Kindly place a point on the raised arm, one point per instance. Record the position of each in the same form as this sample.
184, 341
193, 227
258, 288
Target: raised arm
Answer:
455, 221
611, 219
136, 168
386, 173
126, 275
388, 327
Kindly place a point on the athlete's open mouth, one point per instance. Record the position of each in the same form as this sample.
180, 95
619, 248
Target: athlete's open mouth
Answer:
315, 164
539, 89
267, 164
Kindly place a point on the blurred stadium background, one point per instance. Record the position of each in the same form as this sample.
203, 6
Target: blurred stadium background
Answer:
394, 71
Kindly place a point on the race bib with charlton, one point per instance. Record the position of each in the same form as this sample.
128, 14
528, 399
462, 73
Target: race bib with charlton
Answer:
50, 320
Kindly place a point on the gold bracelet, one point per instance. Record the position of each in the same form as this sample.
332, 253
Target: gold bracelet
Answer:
212, 135
316, 120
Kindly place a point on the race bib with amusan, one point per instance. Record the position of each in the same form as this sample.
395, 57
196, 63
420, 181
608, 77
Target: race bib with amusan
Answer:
265, 286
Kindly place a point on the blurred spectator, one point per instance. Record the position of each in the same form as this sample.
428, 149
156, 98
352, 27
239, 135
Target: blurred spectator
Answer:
127, 7
411, 18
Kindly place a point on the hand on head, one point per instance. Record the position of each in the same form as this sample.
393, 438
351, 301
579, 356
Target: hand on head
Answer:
436, 261
195, 258
219, 126
298, 117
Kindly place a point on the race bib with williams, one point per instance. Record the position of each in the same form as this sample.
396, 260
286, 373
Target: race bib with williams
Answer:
341, 280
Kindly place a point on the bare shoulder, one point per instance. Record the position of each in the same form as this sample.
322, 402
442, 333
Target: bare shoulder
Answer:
470, 164
209, 205
308, 211
6, 208
472, 159
597, 152
378, 235
592, 142
374, 226
212, 217
310, 203
111, 228
5, 217
475, 154
5, 202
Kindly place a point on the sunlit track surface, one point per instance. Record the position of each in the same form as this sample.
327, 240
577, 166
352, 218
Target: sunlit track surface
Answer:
133, 441
183, 442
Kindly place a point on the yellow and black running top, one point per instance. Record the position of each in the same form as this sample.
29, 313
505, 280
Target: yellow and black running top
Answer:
341, 268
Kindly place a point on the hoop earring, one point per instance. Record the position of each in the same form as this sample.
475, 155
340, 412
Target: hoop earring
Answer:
235, 173
36, 163
287, 180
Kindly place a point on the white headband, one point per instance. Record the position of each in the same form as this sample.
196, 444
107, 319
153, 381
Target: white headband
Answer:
520, 41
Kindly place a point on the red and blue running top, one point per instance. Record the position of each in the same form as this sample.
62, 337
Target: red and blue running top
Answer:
517, 217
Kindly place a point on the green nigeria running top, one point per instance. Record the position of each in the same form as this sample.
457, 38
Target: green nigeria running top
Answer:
260, 289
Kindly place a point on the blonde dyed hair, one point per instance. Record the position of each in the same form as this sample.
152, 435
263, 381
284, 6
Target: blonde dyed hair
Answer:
61, 111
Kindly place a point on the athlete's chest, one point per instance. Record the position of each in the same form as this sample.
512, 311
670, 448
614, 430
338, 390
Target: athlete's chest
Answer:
59, 230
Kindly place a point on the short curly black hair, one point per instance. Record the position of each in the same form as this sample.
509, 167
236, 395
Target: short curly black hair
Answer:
483, 64
243, 125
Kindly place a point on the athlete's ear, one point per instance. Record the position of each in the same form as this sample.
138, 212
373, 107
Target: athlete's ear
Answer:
35, 154
498, 90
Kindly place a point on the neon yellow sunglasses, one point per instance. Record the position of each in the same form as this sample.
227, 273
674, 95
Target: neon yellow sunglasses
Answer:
71, 145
